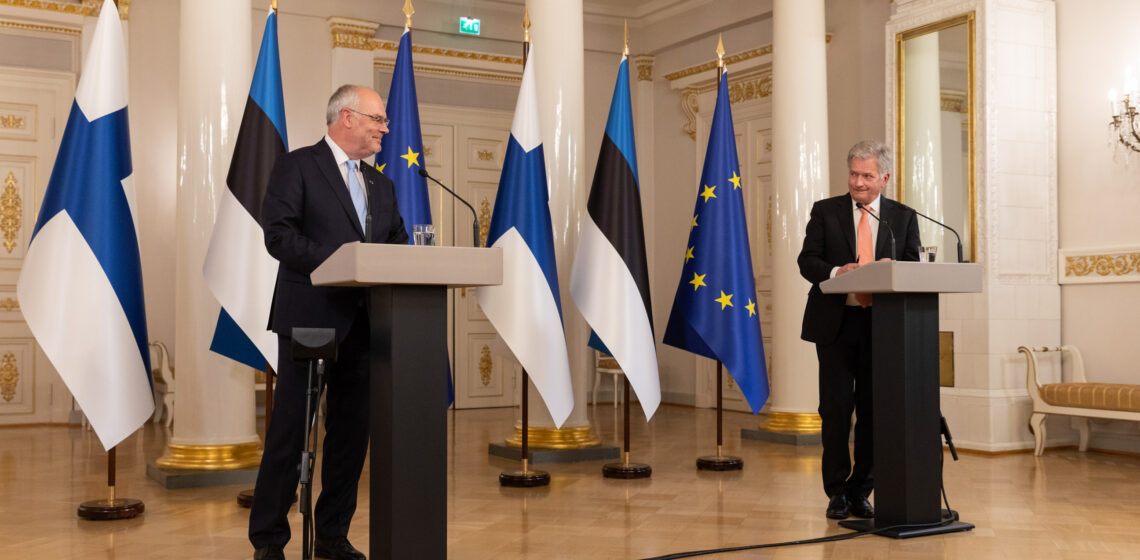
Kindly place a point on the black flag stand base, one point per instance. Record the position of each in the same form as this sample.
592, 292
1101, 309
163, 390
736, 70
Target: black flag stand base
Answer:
720, 461
111, 508
625, 469
525, 478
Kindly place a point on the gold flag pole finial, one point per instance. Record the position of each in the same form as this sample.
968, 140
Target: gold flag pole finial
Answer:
625, 23
273, 5
526, 25
719, 51
408, 11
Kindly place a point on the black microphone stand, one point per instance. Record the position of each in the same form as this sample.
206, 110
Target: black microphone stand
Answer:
951, 231
474, 218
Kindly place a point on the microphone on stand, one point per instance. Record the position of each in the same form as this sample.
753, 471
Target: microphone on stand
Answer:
949, 228
894, 255
474, 219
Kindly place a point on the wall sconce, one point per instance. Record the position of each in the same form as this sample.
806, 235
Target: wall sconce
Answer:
1124, 112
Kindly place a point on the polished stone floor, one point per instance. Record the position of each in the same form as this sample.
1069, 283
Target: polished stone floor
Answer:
1065, 504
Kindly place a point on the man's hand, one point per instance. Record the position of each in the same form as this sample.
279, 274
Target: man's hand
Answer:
847, 268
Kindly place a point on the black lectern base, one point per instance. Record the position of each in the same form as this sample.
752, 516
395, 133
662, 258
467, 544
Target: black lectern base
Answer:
524, 479
719, 463
626, 470
907, 531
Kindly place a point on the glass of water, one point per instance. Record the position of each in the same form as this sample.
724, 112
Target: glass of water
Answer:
928, 253
423, 234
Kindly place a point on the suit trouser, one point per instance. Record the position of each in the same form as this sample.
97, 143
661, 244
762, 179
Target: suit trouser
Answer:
344, 449
845, 387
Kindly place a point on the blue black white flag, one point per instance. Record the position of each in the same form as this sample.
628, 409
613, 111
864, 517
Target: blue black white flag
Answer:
526, 308
81, 288
610, 278
238, 268
714, 312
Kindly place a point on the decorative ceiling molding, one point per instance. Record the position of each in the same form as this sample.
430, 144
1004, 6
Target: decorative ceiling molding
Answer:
37, 28
87, 8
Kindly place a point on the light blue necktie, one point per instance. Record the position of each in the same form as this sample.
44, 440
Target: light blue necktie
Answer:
356, 192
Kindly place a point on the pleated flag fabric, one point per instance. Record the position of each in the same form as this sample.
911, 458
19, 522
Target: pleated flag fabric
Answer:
610, 278
81, 288
714, 311
402, 149
526, 309
238, 269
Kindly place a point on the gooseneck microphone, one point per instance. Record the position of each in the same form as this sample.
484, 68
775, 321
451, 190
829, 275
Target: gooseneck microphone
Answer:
870, 212
474, 219
949, 228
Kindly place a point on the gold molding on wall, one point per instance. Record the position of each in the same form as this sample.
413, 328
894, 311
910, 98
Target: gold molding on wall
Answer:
11, 212
434, 71
11, 121
9, 376
73, 31
750, 86
88, 8
1093, 266
728, 60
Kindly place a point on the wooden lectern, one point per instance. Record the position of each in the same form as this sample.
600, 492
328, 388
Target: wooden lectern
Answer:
408, 313
904, 362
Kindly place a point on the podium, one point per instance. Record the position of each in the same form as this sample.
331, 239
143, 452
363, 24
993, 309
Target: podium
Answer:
904, 365
408, 377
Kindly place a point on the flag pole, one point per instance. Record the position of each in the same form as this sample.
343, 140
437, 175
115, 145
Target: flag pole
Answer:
720, 461
625, 469
112, 507
525, 478
245, 497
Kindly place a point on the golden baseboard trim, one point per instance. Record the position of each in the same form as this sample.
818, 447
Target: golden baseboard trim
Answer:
791, 422
228, 457
577, 437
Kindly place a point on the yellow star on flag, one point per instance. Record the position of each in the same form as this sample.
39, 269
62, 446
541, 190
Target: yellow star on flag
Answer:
698, 281
381, 167
689, 254
412, 157
694, 220
751, 307
725, 300
735, 180
710, 192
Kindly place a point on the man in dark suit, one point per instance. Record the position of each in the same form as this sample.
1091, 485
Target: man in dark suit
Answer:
319, 198
840, 237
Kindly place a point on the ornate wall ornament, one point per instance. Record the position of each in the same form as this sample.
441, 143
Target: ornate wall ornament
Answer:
11, 121
1100, 266
749, 87
644, 64
485, 365
84, 8
485, 155
74, 31
353, 34
11, 212
9, 376
9, 304
728, 61
954, 102
484, 221
747, 90
690, 105
427, 152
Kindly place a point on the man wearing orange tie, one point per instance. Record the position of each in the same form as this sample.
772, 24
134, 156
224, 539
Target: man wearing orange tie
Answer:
844, 233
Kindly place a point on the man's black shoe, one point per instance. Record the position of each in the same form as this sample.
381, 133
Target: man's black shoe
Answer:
271, 552
861, 507
337, 549
837, 507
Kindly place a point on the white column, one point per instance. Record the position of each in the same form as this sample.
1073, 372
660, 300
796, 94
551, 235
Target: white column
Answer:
214, 425
799, 170
923, 126
556, 34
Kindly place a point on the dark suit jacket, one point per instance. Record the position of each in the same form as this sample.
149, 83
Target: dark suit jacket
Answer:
307, 214
830, 242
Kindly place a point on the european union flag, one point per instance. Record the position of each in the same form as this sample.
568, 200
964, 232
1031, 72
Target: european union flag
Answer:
714, 312
402, 149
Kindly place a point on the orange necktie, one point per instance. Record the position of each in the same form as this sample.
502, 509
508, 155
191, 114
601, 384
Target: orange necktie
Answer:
865, 252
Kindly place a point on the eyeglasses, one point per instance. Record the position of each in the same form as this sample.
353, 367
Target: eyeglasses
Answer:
382, 120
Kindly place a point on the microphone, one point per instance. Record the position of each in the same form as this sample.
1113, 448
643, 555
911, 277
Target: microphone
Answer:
474, 219
871, 213
947, 227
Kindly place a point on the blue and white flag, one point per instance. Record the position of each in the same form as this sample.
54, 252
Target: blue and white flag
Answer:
526, 308
714, 312
610, 279
81, 288
402, 149
238, 269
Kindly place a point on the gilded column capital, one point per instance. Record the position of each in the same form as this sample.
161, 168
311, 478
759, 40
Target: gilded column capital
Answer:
352, 33
644, 65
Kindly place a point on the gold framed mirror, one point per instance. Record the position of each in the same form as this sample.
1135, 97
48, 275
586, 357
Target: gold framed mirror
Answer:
935, 114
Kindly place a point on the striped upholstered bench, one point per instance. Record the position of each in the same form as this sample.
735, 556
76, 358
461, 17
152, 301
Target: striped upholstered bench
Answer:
1077, 398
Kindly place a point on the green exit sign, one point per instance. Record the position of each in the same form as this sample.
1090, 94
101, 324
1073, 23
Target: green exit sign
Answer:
469, 26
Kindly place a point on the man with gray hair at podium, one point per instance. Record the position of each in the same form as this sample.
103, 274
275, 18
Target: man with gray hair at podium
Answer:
844, 233
319, 198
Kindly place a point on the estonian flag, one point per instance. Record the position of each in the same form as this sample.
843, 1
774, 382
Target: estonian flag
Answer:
81, 288
714, 311
238, 268
610, 279
526, 309
402, 149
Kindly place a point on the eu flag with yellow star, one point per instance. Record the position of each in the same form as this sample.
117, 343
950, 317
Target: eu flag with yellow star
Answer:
402, 149
714, 312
